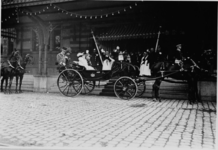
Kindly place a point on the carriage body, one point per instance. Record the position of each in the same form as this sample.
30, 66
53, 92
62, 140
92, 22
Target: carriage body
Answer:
75, 79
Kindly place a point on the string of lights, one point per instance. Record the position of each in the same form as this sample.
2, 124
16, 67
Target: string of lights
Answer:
72, 14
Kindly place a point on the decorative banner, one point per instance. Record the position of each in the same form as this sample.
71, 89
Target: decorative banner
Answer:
63, 11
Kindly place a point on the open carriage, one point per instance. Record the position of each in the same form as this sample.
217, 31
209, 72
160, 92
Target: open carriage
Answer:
76, 79
73, 81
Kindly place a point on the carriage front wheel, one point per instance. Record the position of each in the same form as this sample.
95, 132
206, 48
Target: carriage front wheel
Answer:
70, 83
125, 88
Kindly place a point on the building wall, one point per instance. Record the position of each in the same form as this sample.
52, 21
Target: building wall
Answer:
73, 35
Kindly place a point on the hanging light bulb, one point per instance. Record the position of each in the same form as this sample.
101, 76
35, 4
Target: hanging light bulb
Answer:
9, 17
135, 4
43, 9
47, 7
124, 9
130, 7
118, 12
71, 14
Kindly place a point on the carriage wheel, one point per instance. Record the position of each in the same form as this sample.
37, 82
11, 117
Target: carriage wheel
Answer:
141, 88
88, 87
125, 88
70, 82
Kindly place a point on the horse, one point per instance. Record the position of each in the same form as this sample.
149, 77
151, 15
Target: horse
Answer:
13, 69
187, 72
20, 71
8, 70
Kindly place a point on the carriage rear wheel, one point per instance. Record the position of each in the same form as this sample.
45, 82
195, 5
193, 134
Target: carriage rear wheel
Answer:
88, 87
125, 88
141, 88
70, 82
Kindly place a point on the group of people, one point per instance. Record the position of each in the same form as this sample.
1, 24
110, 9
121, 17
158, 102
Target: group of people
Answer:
144, 60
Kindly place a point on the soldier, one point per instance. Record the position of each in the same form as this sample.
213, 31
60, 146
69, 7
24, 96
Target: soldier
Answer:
14, 59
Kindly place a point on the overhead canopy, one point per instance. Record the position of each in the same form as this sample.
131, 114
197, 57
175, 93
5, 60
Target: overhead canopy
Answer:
130, 31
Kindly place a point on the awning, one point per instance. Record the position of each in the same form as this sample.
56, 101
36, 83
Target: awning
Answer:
131, 31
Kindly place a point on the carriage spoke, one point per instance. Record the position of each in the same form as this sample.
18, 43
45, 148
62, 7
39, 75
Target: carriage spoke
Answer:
125, 88
70, 82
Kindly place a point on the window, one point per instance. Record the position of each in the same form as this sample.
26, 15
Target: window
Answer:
35, 40
8, 37
56, 39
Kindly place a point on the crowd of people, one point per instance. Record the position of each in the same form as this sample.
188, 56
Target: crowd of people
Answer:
104, 59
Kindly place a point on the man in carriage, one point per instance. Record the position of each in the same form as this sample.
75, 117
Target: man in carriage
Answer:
62, 58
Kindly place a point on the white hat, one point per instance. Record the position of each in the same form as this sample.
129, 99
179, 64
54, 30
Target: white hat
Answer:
80, 54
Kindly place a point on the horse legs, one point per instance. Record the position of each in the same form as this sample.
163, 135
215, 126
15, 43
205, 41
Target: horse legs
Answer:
10, 83
21, 79
6, 84
155, 90
192, 94
2, 83
17, 77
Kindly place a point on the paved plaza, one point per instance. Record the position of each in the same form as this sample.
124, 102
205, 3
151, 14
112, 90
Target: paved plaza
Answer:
89, 121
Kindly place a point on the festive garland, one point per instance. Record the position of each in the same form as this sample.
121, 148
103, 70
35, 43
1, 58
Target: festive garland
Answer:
59, 9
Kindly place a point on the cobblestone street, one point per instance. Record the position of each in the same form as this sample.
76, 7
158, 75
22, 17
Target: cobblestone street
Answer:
52, 120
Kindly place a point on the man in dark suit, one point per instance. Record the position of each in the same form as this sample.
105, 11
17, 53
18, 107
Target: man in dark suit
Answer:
178, 57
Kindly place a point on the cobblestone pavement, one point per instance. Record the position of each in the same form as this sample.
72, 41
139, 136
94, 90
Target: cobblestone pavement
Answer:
52, 120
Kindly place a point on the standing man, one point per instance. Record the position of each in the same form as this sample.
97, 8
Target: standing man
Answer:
61, 59
178, 57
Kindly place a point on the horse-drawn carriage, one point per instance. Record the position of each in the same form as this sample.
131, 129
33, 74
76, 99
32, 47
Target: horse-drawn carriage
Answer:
75, 80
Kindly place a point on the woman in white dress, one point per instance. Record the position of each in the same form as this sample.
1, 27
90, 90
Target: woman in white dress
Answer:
83, 61
144, 67
108, 61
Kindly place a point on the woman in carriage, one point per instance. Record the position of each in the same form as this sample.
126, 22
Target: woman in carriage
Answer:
84, 60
